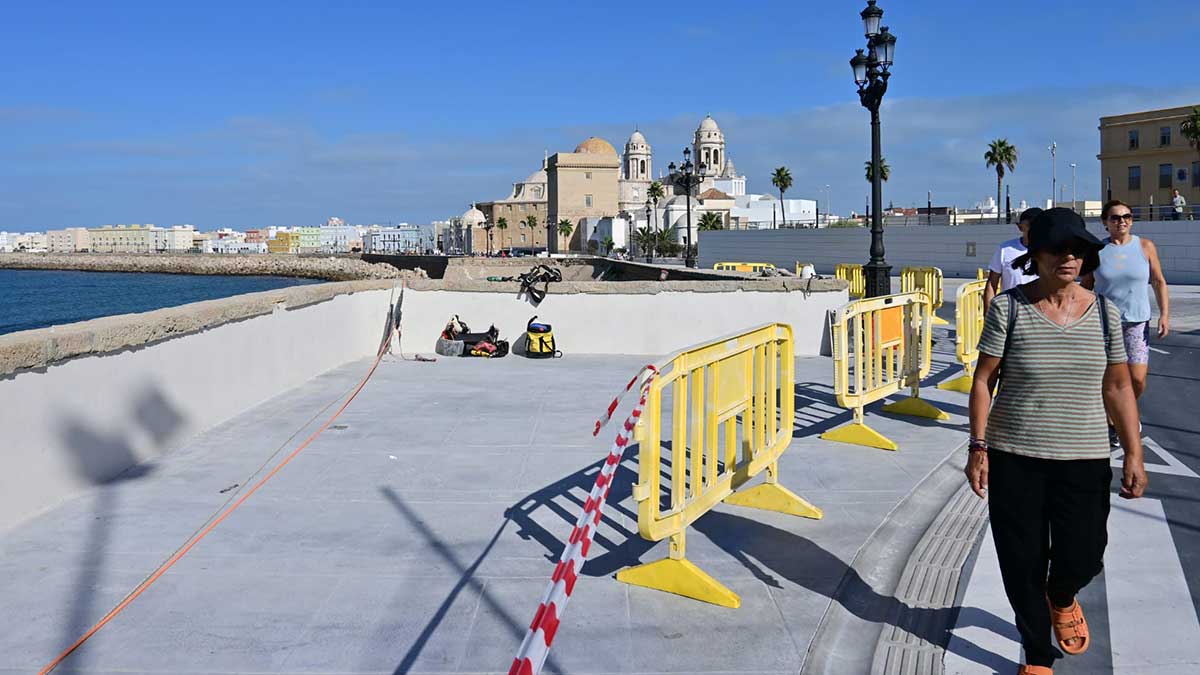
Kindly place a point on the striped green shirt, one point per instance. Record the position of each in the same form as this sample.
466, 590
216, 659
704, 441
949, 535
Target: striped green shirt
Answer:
1051, 403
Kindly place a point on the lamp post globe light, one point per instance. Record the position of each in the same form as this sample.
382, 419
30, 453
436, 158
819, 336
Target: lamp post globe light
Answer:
687, 176
871, 73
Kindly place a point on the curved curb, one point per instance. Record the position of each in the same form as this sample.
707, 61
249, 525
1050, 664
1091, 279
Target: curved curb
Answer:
865, 601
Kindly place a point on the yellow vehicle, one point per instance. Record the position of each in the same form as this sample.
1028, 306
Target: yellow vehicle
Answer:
743, 267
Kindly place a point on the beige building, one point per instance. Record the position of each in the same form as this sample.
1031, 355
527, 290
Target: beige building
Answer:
528, 198
176, 239
69, 240
122, 239
1144, 156
582, 184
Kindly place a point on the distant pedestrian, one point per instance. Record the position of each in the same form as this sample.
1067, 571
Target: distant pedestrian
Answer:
1040, 453
1129, 268
1001, 274
1178, 202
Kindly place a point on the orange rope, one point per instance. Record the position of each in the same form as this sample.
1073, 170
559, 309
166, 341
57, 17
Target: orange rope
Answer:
141, 588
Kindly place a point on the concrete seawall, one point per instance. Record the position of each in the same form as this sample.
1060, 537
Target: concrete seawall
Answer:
82, 403
330, 268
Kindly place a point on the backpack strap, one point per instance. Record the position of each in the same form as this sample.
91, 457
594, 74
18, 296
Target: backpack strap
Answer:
1012, 324
1104, 330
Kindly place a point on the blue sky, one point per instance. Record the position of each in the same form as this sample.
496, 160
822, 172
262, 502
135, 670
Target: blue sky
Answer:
245, 114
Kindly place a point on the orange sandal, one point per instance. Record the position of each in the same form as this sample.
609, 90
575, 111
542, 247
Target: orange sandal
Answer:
1069, 624
1034, 670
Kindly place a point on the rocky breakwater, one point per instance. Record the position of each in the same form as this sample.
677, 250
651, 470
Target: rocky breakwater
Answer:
330, 268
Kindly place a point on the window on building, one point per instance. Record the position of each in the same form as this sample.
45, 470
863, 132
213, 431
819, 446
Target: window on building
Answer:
1164, 175
587, 175
587, 201
1134, 139
1135, 178
642, 171
1195, 174
522, 237
1164, 135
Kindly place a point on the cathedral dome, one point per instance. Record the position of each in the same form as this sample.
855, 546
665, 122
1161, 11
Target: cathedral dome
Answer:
473, 216
636, 138
709, 124
596, 146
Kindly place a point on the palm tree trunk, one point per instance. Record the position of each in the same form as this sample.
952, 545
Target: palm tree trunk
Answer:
999, 189
782, 211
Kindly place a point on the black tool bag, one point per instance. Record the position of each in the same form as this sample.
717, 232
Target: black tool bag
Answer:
542, 274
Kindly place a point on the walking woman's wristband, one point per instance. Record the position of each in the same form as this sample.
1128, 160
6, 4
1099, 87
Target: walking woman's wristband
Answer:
977, 444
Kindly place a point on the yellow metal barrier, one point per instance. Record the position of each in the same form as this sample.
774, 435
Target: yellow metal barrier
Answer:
981, 274
968, 324
880, 346
927, 280
737, 392
743, 266
800, 267
854, 274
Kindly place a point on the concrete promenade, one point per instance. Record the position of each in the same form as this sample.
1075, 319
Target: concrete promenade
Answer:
417, 534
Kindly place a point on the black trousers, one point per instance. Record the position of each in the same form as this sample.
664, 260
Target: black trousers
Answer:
1050, 524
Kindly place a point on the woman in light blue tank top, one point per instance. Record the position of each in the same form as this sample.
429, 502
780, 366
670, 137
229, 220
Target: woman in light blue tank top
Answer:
1129, 267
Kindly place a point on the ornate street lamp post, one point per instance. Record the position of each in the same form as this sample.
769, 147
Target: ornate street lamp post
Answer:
871, 75
688, 177
649, 212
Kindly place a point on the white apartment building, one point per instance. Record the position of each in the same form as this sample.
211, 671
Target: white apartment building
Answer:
341, 238
402, 239
24, 241
122, 239
233, 246
69, 240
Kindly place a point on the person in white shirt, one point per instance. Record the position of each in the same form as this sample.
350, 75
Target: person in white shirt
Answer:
1001, 275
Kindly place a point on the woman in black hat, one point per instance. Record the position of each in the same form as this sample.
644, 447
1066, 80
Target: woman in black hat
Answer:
1040, 450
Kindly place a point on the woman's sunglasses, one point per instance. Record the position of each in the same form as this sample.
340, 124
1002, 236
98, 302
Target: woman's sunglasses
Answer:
1118, 217
1076, 249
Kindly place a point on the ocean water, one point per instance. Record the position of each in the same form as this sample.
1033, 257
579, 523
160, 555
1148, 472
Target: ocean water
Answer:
39, 298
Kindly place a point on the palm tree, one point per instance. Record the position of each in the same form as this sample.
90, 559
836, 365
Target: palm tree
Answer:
782, 179
608, 244
885, 171
1190, 128
711, 220
565, 228
645, 239
487, 227
502, 225
1000, 154
655, 193
665, 244
531, 222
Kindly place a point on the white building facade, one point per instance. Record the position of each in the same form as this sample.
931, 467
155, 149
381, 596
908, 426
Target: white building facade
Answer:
402, 239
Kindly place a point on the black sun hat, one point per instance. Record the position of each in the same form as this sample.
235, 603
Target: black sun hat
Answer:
1057, 229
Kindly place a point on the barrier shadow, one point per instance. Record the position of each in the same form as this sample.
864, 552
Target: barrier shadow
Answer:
565, 498
771, 554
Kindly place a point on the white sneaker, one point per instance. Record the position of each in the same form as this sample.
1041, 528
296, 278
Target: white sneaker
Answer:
1114, 440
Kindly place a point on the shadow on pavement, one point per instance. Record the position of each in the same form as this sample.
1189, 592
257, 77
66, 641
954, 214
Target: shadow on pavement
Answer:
105, 460
466, 578
769, 553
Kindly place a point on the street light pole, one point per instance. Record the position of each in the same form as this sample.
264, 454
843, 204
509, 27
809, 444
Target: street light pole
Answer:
1072, 186
688, 177
1053, 172
871, 75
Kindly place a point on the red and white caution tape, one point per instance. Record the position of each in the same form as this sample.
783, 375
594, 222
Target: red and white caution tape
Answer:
612, 407
536, 646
